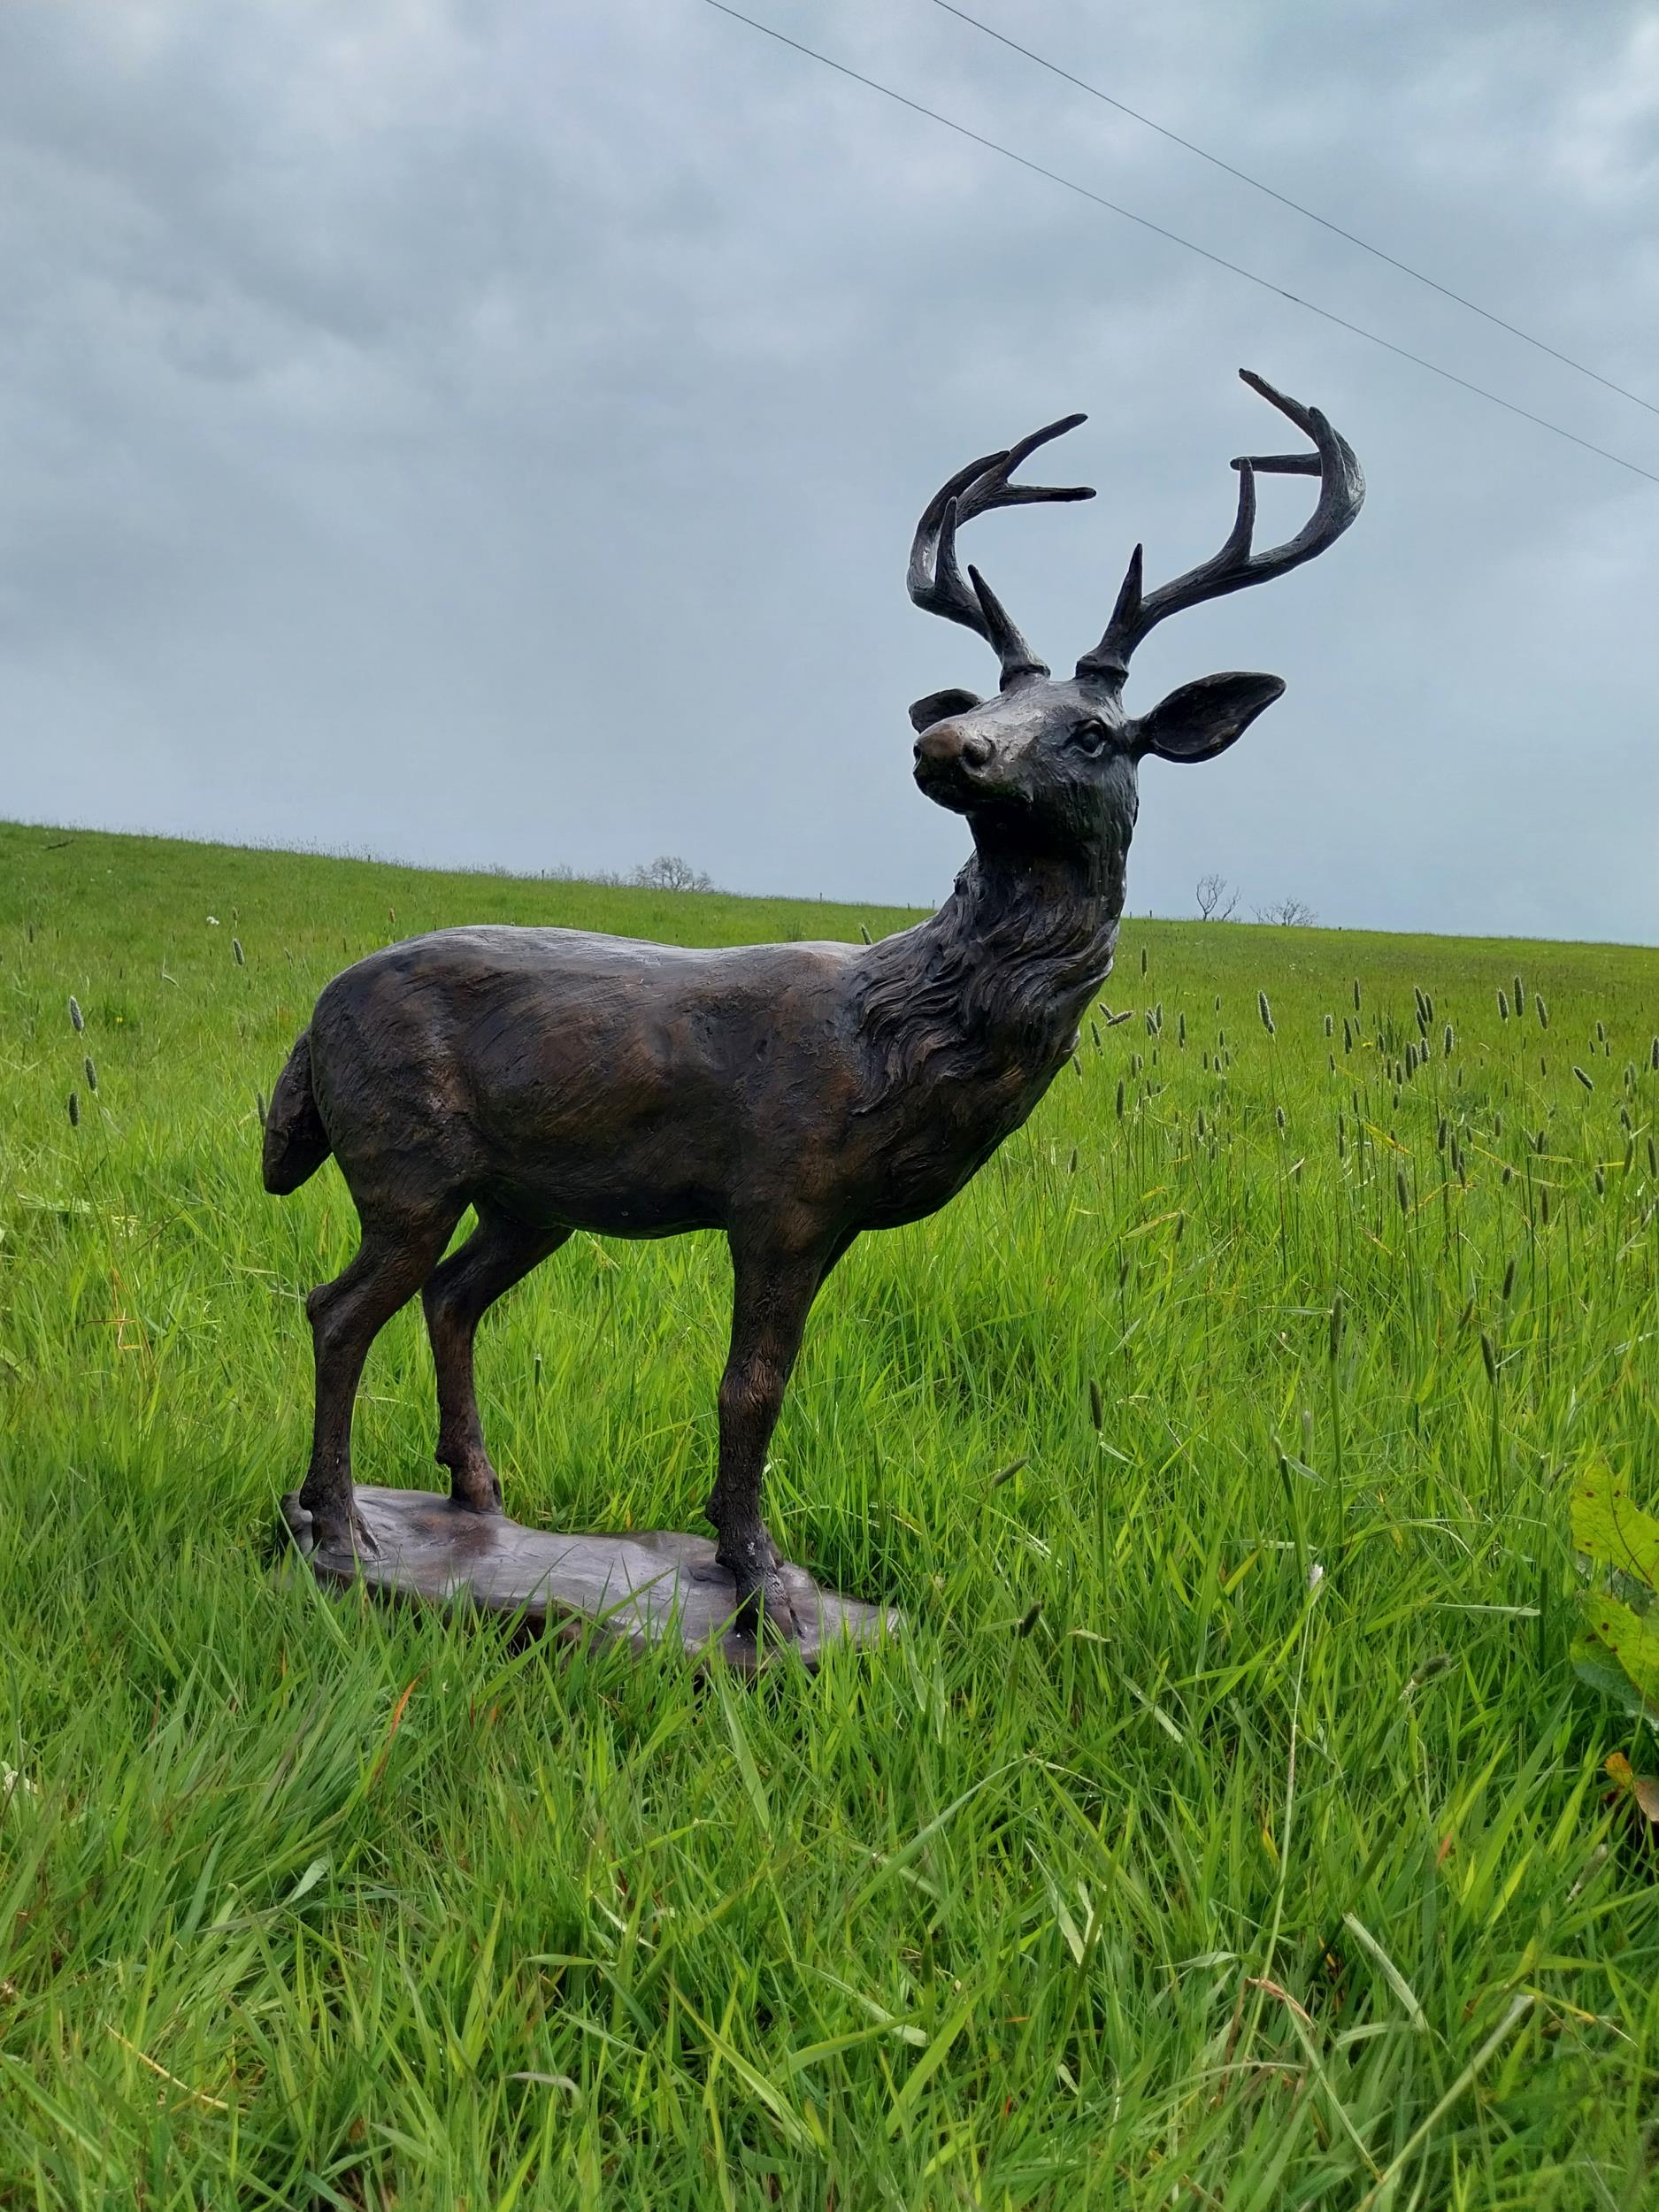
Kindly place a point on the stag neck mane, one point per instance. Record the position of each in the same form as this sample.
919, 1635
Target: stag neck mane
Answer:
999, 976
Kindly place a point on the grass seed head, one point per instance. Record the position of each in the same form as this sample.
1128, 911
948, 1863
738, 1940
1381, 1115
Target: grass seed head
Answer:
75, 1111
91, 1074
1588, 1081
1265, 1012
236, 946
1504, 1005
76, 1017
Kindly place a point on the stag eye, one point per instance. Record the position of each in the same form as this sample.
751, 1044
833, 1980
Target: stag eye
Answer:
1089, 738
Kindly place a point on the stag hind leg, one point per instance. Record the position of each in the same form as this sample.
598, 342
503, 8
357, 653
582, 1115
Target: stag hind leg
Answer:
396, 1254
500, 1252
772, 1294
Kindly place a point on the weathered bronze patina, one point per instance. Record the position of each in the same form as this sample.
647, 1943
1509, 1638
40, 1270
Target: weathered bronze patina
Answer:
791, 1095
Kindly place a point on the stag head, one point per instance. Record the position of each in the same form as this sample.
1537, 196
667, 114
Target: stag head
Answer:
1051, 761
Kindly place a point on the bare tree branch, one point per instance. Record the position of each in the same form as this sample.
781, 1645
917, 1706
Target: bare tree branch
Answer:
1218, 902
669, 872
1289, 913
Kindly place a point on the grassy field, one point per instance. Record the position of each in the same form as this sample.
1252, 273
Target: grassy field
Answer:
1228, 1829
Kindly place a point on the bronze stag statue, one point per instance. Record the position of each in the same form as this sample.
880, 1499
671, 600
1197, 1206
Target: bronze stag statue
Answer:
791, 1095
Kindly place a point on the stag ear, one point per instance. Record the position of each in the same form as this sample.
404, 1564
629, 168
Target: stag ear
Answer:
1200, 720
938, 704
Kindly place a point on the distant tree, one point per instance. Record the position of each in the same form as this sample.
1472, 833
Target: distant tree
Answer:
669, 872
1218, 900
1289, 913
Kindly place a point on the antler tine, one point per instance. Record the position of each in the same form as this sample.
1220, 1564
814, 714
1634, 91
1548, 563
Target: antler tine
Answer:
1011, 649
1342, 494
936, 581
992, 489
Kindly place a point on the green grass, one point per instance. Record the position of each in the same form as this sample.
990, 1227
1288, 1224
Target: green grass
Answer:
1227, 1829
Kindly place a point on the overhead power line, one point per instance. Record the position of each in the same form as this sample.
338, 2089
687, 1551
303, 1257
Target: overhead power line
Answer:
1070, 184
1445, 290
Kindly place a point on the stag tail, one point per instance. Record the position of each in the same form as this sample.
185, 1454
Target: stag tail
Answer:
296, 1141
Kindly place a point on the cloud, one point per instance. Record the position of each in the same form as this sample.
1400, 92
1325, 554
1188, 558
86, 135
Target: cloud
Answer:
487, 435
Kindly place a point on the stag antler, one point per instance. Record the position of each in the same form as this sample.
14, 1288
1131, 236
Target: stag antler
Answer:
936, 581
1341, 493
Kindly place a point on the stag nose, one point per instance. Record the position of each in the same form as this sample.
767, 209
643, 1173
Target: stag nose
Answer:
946, 742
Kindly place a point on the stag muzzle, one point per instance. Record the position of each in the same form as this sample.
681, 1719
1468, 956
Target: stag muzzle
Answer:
949, 760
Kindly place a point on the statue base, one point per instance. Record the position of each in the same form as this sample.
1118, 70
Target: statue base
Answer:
648, 1588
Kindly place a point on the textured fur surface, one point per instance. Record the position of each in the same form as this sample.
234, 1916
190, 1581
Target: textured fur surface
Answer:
1002, 966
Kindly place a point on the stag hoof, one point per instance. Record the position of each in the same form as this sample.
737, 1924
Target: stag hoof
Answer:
764, 1612
350, 1536
475, 1486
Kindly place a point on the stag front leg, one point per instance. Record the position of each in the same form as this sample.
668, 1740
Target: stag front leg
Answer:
772, 1294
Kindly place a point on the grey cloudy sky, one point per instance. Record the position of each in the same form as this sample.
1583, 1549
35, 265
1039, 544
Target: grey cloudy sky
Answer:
493, 433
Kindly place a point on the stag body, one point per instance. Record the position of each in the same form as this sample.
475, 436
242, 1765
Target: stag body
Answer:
791, 1095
